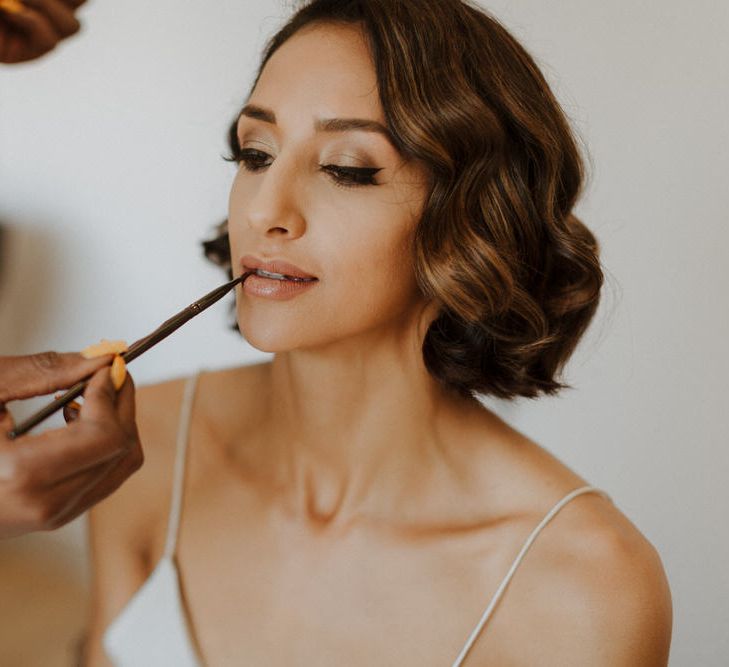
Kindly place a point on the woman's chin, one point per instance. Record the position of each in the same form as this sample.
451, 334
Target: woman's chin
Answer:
276, 339
271, 341
272, 338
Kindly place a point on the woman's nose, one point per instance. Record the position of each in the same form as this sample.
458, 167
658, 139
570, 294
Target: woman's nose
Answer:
274, 207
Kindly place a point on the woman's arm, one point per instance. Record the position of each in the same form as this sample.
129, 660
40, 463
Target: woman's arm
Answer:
126, 531
118, 570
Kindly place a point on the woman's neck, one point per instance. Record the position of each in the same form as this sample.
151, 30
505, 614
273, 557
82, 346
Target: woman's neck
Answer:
355, 432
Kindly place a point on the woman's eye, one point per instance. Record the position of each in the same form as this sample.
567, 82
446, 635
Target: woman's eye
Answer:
252, 160
255, 160
351, 176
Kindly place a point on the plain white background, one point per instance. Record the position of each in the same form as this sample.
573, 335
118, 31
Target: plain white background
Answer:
110, 175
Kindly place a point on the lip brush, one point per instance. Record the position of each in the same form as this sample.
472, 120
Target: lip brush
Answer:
137, 348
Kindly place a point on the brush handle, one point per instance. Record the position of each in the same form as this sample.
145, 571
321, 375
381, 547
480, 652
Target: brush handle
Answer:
136, 349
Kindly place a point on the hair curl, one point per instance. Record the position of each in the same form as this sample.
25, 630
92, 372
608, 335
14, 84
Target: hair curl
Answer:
516, 275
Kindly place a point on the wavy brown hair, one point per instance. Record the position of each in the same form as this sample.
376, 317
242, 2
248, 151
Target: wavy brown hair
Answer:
515, 274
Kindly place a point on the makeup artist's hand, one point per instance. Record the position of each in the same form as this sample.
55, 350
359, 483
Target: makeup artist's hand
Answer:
48, 479
31, 28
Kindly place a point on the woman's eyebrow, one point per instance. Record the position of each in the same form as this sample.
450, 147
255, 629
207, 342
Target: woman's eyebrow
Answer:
322, 124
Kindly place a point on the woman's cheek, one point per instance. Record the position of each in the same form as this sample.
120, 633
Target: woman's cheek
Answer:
235, 202
384, 267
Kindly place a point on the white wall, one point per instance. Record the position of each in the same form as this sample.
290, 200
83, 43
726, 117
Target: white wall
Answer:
110, 175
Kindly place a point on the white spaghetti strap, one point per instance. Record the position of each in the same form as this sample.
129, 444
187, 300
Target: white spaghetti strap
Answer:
505, 582
178, 478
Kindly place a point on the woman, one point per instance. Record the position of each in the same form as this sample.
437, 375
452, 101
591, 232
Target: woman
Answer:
404, 194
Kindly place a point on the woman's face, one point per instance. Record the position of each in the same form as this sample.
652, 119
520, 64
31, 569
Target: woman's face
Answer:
332, 197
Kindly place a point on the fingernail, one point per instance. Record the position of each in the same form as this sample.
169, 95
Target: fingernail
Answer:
104, 347
118, 372
71, 411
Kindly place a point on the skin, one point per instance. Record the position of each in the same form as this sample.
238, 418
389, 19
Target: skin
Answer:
340, 507
48, 479
35, 28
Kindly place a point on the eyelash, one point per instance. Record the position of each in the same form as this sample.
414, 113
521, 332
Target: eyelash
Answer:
345, 177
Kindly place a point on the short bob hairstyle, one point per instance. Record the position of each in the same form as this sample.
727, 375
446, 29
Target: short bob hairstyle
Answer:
515, 274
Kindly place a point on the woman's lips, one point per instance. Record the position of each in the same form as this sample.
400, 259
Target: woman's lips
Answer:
273, 288
250, 262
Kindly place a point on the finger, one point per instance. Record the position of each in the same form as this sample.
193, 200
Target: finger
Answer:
14, 50
129, 456
11, 6
13, 43
117, 472
35, 462
52, 506
94, 437
44, 373
74, 4
99, 406
126, 406
59, 14
65, 500
99, 399
39, 32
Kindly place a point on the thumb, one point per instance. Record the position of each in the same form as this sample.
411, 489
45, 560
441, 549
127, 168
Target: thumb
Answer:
99, 398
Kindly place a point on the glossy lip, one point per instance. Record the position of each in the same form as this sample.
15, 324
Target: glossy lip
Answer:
250, 263
278, 290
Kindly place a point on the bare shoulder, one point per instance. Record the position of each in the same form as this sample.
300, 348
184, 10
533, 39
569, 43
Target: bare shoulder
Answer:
136, 509
609, 587
594, 590
591, 590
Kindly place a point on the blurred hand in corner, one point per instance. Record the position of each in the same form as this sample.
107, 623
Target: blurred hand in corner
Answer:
32, 28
